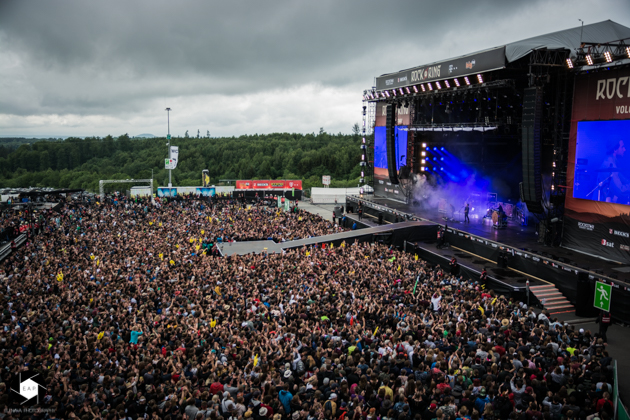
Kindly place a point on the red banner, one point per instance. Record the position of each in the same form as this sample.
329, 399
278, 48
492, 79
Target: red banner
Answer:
268, 185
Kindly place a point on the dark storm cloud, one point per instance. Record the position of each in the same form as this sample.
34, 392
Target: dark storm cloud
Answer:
119, 59
240, 45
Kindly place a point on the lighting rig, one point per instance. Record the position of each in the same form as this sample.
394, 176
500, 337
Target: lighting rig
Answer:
592, 54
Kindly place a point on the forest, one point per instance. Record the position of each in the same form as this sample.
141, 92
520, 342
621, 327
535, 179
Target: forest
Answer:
82, 162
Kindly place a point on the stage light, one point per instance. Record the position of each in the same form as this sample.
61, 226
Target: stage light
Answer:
363, 140
428, 148
480, 78
438, 85
362, 174
441, 169
407, 89
394, 92
362, 157
424, 145
441, 158
423, 153
387, 93
589, 60
448, 85
423, 161
628, 51
435, 148
434, 168
422, 168
608, 56
441, 148
430, 87
423, 89
456, 82
467, 81
401, 91
554, 164
435, 158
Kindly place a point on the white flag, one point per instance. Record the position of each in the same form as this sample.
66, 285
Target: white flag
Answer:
174, 156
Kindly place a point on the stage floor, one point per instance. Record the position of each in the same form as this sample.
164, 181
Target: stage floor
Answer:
516, 236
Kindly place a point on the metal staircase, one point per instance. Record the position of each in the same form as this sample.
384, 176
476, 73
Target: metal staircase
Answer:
551, 299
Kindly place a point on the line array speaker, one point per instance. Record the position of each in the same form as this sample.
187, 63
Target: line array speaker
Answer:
390, 140
531, 140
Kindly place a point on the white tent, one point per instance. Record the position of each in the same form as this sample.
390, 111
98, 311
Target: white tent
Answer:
328, 195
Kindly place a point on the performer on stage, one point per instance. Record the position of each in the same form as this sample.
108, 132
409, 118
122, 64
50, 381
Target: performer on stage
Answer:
613, 185
466, 211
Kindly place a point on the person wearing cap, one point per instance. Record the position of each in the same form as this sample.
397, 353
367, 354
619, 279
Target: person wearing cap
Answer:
482, 400
331, 405
429, 412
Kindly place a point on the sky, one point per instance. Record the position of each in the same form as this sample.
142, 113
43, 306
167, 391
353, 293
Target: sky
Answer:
88, 68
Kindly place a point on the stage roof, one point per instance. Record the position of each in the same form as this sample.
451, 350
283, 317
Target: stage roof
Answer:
497, 58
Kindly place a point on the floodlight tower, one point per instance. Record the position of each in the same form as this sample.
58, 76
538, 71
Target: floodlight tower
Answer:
168, 137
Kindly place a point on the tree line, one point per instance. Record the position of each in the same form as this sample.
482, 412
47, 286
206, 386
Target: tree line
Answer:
82, 162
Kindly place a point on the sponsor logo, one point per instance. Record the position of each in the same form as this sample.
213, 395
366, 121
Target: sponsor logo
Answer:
261, 184
380, 181
624, 247
389, 82
536, 259
402, 79
389, 183
386, 190
395, 191
451, 68
586, 226
566, 269
608, 243
277, 184
611, 88
619, 233
470, 64
425, 73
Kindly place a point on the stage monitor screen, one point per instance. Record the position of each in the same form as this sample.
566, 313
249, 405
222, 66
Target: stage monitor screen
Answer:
602, 167
380, 147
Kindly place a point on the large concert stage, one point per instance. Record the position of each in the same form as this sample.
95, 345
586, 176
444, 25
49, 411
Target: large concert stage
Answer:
533, 131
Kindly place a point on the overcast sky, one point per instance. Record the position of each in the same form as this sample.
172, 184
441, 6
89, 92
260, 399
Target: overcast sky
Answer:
92, 68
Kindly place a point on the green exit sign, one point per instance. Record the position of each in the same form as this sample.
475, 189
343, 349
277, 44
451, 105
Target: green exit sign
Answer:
603, 293
168, 137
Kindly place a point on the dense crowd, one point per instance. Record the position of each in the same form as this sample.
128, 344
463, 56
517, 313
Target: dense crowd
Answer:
124, 313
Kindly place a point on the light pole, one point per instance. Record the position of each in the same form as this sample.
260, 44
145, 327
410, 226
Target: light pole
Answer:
168, 137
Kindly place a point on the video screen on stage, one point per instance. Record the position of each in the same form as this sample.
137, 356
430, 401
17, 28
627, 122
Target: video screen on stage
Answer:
380, 147
602, 167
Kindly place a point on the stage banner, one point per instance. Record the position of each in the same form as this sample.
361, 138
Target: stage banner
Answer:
467, 65
597, 207
268, 185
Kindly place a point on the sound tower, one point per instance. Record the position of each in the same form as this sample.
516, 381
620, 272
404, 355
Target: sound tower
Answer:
390, 140
531, 139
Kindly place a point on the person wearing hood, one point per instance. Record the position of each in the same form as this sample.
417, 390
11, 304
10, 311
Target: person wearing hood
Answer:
285, 398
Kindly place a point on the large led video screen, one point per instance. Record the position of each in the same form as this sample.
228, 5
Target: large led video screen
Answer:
380, 147
602, 166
